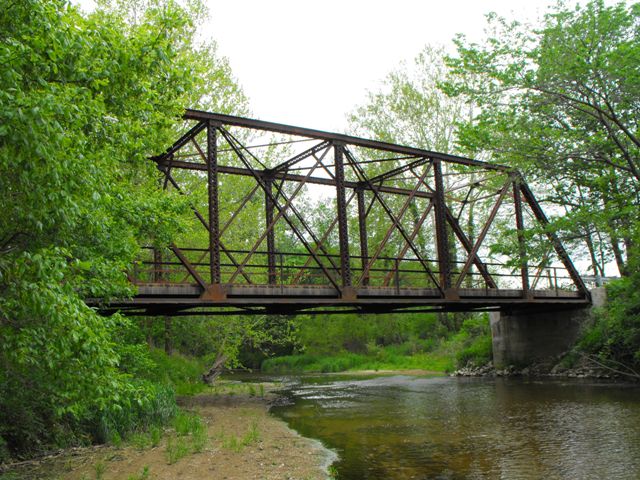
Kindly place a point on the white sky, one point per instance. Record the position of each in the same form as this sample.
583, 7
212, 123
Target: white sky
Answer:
310, 63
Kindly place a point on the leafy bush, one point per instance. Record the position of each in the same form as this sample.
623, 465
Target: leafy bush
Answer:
84, 102
182, 373
474, 342
615, 335
478, 352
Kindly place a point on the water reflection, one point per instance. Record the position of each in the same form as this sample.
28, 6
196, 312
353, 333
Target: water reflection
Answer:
448, 428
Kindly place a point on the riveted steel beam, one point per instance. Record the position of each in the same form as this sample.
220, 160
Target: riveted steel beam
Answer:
343, 225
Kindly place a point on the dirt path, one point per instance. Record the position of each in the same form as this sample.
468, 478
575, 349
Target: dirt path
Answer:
243, 442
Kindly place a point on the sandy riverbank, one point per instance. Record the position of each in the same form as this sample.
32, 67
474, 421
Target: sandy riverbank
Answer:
277, 453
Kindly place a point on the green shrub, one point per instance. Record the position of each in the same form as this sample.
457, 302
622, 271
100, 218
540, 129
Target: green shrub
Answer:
473, 342
478, 352
614, 336
4, 451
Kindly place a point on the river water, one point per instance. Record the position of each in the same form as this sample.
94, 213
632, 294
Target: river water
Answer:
406, 427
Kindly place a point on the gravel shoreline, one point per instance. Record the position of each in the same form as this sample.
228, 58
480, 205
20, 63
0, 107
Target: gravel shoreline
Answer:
539, 370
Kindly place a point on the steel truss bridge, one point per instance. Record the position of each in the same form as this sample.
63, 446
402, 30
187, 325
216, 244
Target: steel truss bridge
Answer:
345, 224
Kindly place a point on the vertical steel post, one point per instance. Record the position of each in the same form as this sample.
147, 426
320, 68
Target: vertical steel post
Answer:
343, 231
522, 250
397, 274
442, 240
362, 227
157, 265
214, 213
271, 239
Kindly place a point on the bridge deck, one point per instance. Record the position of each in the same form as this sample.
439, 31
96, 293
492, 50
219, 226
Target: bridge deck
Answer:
187, 299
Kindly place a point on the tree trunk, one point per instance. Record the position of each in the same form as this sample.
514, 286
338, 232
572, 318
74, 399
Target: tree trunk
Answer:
617, 253
215, 371
594, 261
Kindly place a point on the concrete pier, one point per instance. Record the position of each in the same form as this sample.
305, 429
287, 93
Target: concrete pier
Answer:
523, 337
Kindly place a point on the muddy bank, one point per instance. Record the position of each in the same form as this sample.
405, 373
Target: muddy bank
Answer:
243, 442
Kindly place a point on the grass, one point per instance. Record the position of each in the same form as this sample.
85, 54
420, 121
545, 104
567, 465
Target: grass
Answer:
332, 471
253, 434
155, 406
144, 475
190, 436
383, 359
177, 448
232, 443
146, 439
187, 422
236, 443
99, 469
183, 373
224, 387
471, 344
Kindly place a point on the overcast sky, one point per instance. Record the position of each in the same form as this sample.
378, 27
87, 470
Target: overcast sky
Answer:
310, 63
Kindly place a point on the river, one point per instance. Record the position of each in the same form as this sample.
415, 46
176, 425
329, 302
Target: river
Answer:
407, 427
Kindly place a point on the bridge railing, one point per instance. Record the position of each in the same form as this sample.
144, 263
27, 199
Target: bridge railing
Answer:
191, 266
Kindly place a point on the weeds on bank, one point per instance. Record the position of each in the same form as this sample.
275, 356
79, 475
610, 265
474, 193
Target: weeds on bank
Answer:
144, 475
253, 434
100, 468
237, 388
146, 439
378, 358
177, 448
236, 444
471, 343
9, 476
191, 437
333, 472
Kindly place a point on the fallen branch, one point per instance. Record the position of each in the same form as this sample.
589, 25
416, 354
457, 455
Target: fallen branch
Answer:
632, 373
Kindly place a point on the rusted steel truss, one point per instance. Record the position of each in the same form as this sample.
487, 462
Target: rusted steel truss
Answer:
345, 224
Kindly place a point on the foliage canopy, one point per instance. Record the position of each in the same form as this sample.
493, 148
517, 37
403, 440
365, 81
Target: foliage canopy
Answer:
84, 99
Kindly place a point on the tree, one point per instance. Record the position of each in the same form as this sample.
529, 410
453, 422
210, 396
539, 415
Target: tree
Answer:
560, 101
412, 110
83, 101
